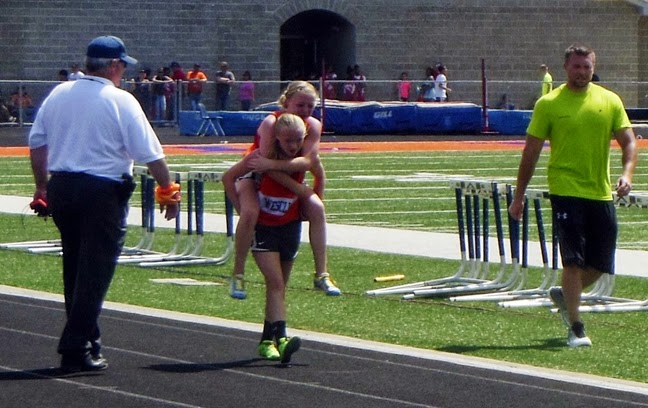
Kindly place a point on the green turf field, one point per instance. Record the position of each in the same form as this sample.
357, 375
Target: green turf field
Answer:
393, 190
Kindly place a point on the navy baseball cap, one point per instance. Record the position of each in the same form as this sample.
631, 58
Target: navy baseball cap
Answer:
108, 46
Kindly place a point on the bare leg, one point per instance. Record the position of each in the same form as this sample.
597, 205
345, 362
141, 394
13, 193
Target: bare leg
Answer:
574, 280
276, 275
315, 213
248, 214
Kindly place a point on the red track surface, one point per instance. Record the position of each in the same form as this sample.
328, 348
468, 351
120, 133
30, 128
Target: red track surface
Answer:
341, 146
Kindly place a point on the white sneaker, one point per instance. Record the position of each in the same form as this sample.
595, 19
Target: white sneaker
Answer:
326, 284
576, 336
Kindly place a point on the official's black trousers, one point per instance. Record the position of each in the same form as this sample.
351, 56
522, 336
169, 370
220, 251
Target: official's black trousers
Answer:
90, 213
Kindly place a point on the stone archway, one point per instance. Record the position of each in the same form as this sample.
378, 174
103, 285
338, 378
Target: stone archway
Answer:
312, 37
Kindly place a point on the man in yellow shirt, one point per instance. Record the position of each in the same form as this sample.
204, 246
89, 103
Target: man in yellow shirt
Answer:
547, 80
579, 119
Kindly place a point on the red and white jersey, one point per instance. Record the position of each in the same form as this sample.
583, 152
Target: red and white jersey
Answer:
278, 204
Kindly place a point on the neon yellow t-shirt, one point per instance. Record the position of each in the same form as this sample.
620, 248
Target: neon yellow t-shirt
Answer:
579, 128
547, 83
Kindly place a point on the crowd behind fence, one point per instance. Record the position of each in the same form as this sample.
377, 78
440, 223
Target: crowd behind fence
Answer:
20, 99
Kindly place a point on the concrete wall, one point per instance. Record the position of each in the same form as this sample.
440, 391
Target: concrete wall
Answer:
39, 37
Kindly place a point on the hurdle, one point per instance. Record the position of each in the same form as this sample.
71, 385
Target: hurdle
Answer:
502, 281
467, 263
142, 254
550, 274
28, 245
474, 267
195, 205
54, 245
143, 249
599, 299
147, 201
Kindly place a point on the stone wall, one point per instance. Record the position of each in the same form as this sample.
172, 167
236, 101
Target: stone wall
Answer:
39, 37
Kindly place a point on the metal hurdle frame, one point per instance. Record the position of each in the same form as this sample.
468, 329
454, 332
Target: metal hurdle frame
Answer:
473, 268
632, 200
465, 273
143, 246
30, 245
501, 282
147, 200
142, 251
195, 204
599, 298
550, 272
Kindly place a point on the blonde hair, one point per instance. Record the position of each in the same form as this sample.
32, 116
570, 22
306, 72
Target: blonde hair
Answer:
294, 88
286, 121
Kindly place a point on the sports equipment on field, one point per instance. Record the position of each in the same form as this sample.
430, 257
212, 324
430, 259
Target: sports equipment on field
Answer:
508, 287
143, 254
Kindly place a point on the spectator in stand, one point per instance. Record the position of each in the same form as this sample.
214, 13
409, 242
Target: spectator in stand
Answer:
348, 89
178, 75
426, 89
505, 103
76, 72
160, 82
547, 80
63, 75
441, 89
5, 115
196, 79
142, 91
21, 104
169, 95
359, 91
224, 80
246, 91
404, 86
329, 87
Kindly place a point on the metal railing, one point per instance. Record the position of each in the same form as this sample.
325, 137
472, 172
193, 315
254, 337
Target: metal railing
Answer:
27, 95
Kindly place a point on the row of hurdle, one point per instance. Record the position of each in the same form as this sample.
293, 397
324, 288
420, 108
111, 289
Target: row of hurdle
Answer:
506, 280
189, 240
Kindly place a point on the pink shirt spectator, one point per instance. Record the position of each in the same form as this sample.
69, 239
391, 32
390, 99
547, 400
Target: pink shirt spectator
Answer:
246, 91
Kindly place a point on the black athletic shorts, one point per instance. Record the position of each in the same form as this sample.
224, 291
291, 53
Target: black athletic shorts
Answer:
587, 232
284, 239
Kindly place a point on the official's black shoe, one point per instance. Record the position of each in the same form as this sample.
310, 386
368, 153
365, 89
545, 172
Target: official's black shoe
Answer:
74, 363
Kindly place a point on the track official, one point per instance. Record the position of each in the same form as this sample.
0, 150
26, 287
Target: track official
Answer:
83, 143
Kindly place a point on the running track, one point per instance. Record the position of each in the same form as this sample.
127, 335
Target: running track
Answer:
166, 359
341, 146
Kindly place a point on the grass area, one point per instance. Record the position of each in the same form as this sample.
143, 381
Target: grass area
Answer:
394, 190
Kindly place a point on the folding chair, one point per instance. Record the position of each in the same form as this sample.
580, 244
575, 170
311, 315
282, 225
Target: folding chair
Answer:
208, 123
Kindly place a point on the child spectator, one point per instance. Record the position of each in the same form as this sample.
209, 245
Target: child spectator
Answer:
246, 91
359, 91
329, 87
404, 86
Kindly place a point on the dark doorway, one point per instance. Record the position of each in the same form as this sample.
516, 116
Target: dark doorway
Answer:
312, 37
